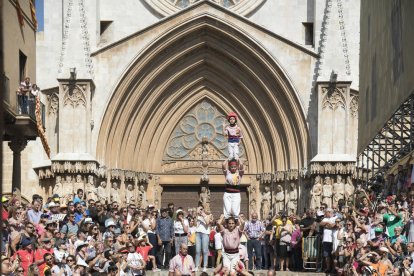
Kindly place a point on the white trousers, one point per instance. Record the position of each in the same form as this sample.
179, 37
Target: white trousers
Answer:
231, 206
230, 261
233, 151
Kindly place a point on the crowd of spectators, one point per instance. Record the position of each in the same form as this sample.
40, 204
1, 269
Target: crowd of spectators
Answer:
372, 235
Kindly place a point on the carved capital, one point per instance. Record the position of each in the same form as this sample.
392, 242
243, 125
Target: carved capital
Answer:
17, 144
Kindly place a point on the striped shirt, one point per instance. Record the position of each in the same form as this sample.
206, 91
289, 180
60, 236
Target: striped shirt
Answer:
254, 229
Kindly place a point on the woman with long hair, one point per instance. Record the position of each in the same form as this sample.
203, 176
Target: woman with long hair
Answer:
202, 237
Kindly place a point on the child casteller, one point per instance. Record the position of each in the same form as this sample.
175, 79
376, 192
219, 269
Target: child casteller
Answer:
234, 135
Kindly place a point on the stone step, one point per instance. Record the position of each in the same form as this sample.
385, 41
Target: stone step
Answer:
256, 272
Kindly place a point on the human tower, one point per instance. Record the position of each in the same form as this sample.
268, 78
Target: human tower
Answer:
232, 168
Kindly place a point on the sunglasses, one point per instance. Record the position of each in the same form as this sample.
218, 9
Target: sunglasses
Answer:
20, 270
70, 260
30, 227
49, 259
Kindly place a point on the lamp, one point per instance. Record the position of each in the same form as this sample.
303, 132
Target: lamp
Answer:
72, 73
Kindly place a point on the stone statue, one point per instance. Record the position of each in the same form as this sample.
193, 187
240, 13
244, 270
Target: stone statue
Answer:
157, 204
142, 197
253, 206
204, 198
79, 184
327, 192
316, 193
90, 189
338, 190
130, 194
68, 189
349, 189
293, 199
266, 199
115, 193
279, 199
102, 193
58, 189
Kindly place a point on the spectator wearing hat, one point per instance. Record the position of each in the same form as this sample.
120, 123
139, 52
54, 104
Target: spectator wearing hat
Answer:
143, 248
41, 252
50, 229
7, 266
182, 263
25, 254
165, 235
180, 230
81, 253
110, 230
135, 260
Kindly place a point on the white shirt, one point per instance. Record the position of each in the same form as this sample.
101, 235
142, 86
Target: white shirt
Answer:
135, 259
178, 226
328, 233
218, 241
202, 226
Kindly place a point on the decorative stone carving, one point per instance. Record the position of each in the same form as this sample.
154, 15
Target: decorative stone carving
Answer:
79, 184
204, 198
338, 190
332, 168
115, 193
316, 193
353, 106
349, 189
102, 193
53, 103
74, 95
266, 202
279, 199
334, 99
253, 205
157, 189
130, 194
90, 189
292, 202
327, 192
142, 197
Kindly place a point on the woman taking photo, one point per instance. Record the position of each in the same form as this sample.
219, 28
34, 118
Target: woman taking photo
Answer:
202, 237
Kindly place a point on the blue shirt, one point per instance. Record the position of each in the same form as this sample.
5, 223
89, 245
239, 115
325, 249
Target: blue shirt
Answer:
165, 228
34, 216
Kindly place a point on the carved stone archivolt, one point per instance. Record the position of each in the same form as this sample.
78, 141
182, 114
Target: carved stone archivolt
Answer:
353, 106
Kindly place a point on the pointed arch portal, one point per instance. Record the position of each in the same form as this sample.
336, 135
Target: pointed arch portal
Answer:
205, 59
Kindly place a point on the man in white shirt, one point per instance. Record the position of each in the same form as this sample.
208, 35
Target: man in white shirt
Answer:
328, 224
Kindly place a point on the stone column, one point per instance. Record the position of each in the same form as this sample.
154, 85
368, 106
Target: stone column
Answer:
17, 144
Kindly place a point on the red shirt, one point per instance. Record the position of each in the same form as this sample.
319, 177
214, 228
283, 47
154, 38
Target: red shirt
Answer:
26, 258
39, 256
4, 214
143, 251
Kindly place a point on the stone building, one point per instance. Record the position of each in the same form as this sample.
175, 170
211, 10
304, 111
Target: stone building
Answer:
136, 94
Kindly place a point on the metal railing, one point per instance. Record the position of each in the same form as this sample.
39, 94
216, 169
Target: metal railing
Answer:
26, 106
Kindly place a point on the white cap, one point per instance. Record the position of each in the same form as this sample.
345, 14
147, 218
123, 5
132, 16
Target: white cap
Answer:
110, 223
384, 249
79, 243
52, 204
88, 220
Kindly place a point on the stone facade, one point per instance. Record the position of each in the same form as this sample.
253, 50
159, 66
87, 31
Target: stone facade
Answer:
154, 80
